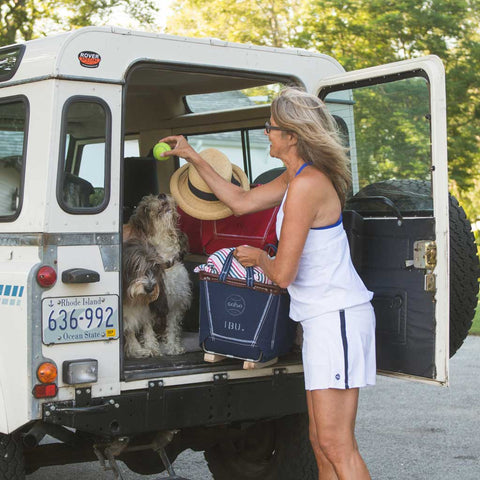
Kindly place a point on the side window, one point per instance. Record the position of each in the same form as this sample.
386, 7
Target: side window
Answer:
230, 143
84, 156
254, 159
260, 158
13, 121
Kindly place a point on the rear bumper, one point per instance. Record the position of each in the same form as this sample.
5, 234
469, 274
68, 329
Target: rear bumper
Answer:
161, 408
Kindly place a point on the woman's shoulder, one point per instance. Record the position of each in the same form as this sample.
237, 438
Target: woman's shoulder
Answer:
310, 177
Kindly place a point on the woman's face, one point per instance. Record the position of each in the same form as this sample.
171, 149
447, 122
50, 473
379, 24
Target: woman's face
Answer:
279, 141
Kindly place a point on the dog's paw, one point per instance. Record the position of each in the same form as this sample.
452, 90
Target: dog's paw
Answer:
138, 352
151, 345
173, 349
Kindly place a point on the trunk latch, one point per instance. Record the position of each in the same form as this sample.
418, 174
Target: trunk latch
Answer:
425, 257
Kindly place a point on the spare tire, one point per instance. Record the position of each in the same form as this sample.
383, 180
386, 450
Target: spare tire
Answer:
413, 197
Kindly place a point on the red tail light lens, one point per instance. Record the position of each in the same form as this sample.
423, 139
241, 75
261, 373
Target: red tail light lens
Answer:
44, 391
46, 276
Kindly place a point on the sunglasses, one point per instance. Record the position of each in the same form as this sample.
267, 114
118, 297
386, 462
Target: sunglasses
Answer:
269, 128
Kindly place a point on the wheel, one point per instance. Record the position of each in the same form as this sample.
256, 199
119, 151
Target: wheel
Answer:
414, 197
12, 462
274, 450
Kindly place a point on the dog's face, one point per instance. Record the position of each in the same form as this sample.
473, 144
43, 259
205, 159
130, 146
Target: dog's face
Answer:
142, 273
154, 212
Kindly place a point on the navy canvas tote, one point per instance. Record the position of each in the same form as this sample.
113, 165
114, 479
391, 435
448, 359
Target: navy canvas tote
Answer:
244, 319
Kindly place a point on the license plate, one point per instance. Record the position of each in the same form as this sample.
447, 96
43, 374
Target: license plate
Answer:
79, 319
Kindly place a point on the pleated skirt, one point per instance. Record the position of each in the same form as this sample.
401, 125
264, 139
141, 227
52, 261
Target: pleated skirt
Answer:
339, 349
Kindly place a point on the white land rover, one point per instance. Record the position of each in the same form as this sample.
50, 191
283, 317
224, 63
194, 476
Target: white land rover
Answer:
80, 112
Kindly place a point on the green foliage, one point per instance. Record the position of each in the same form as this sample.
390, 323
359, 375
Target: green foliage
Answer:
262, 22
392, 131
25, 19
475, 330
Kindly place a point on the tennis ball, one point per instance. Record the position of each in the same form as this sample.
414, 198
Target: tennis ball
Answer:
160, 148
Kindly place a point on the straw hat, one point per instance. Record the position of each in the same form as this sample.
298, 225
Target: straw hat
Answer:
194, 196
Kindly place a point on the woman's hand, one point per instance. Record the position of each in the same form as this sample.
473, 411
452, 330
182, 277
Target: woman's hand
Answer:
248, 256
179, 147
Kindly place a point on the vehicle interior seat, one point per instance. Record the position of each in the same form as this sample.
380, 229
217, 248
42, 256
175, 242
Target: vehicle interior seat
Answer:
139, 179
76, 191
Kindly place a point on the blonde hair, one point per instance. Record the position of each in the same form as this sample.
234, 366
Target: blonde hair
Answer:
318, 138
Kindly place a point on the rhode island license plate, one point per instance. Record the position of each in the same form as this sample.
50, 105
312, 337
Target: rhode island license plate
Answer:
79, 319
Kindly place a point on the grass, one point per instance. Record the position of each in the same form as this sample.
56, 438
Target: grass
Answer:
475, 330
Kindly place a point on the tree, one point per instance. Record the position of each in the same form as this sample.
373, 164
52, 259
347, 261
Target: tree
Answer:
262, 22
362, 34
26, 19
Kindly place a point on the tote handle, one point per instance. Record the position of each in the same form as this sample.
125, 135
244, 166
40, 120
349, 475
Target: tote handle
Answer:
226, 269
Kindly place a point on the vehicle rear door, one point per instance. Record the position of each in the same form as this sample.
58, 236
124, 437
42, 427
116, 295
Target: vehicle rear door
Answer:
393, 118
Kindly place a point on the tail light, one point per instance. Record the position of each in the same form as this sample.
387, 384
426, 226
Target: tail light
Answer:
46, 276
47, 372
45, 391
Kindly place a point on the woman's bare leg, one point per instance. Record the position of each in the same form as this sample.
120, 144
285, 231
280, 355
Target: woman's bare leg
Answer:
325, 468
334, 412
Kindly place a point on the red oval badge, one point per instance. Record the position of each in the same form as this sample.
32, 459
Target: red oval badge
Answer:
89, 59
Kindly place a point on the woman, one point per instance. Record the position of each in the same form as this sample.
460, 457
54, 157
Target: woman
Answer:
313, 262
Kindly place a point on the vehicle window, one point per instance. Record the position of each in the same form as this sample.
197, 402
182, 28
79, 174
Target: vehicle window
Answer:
13, 118
10, 58
248, 149
260, 158
389, 140
85, 155
232, 99
230, 143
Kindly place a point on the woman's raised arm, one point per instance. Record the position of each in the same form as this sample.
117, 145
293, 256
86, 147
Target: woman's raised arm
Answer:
240, 201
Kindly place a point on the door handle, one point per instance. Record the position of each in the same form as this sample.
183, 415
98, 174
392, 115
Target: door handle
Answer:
80, 275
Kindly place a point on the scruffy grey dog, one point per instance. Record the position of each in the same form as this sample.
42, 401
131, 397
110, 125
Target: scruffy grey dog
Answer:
155, 221
144, 302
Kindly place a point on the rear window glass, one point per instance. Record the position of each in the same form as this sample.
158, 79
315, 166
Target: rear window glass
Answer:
13, 119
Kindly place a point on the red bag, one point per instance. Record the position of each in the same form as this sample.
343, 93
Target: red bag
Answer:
192, 228
254, 229
207, 236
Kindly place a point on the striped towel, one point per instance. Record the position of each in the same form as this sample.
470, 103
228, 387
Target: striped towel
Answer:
215, 263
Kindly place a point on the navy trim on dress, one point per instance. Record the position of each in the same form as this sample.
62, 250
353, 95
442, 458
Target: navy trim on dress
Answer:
306, 164
336, 224
343, 329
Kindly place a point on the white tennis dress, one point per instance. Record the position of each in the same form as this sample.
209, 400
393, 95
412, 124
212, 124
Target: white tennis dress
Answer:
333, 305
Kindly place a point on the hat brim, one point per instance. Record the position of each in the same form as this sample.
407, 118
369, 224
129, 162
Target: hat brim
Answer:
197, 207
